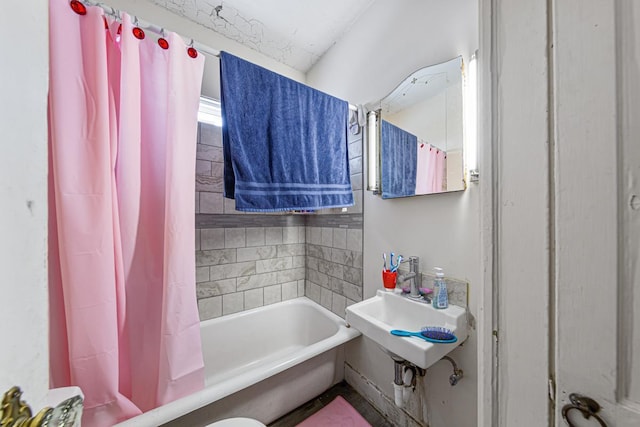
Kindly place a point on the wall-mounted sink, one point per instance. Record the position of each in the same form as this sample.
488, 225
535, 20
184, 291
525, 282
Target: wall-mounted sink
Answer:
375, 317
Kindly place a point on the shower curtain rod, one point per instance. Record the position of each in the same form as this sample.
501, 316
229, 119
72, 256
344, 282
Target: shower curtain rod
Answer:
160, 31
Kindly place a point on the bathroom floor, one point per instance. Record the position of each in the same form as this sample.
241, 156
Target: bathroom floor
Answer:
341, 389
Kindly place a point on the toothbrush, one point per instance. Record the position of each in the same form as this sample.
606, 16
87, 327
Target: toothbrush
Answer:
395, 267
391, 261
384, 265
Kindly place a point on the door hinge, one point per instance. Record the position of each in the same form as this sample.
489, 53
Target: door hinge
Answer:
552, 390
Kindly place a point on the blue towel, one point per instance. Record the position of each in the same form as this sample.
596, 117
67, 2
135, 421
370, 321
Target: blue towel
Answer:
284, 143
399, 158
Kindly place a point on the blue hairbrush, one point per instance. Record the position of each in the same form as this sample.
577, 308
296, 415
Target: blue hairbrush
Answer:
438, 334
434, 334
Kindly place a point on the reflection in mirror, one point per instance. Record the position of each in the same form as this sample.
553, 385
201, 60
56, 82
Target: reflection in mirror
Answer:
420, 133
399, 161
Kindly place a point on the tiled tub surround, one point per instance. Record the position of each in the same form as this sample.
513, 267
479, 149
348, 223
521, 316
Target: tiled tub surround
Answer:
239, 268
247, 260
242, 268
334, 266
209, 169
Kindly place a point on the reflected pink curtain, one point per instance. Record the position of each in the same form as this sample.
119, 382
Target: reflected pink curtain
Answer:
440, 171
422, 169
122, 138
435, 169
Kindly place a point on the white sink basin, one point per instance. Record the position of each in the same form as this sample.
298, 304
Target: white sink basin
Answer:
375, 317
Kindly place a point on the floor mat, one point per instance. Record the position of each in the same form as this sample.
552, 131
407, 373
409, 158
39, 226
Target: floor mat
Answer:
338, 413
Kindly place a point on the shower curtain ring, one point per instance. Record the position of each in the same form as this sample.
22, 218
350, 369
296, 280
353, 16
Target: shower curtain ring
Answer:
137, 31
162, 41
191, 51
78, 7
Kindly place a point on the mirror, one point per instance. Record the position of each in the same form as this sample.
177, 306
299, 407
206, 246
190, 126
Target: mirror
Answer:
419, 133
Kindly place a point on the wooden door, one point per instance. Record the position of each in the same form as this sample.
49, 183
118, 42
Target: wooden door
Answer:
595, 66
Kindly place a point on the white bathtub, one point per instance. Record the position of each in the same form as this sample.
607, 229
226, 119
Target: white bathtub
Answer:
261, 363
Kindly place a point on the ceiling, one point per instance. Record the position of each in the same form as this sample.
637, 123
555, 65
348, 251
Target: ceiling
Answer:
294, 32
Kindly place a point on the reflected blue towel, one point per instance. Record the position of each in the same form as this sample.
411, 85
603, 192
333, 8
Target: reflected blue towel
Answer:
284, 143
399, 158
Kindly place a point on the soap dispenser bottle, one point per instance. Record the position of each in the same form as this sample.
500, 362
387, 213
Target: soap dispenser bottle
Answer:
440, 296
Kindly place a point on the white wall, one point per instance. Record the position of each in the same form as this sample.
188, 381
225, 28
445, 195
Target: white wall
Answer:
391, 40
24, 359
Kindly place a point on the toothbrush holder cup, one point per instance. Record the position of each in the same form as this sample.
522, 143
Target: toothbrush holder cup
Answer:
389, 279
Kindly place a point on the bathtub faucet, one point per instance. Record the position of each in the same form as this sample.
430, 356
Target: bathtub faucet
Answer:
412, 275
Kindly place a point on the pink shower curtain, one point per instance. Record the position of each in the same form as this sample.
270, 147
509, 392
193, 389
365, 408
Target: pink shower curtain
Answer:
123, 120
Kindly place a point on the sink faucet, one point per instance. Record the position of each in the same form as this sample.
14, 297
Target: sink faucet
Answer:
412, 275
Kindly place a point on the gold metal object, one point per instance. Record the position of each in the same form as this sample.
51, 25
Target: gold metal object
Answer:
16, 412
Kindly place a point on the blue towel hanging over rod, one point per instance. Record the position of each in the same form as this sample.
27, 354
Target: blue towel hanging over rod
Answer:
284, 143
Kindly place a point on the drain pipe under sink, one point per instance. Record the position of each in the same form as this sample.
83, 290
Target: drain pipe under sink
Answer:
409, 382
404, 381
398, 382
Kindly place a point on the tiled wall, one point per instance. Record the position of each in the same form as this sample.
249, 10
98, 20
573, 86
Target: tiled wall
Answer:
457, 289
334, 266
334, 246
246, 260
209, 167
242, 268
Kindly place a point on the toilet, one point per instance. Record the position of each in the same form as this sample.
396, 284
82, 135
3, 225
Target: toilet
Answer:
237, 422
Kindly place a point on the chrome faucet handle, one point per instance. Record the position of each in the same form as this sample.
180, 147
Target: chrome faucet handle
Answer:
412, 275
412, 260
